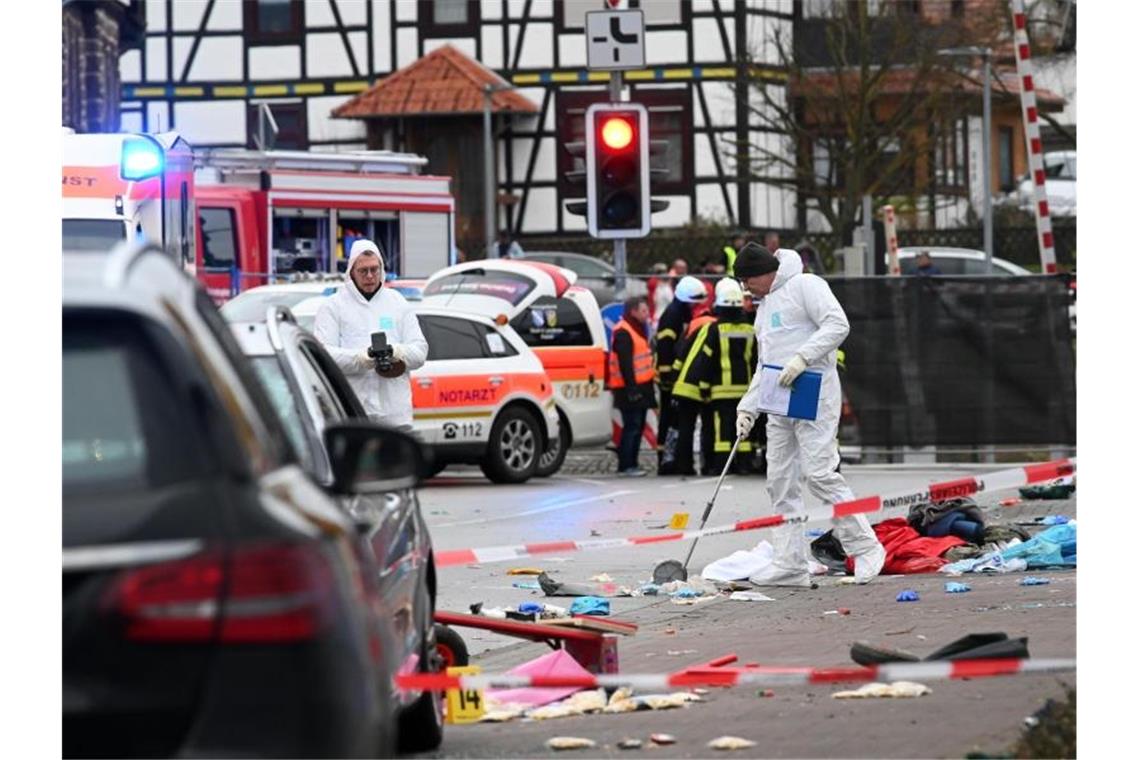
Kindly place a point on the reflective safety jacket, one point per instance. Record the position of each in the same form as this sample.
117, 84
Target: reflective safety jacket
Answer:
642, 358
729, 260
719, 363
670, 328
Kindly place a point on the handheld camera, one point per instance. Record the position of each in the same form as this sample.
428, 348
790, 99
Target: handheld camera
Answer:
381, 352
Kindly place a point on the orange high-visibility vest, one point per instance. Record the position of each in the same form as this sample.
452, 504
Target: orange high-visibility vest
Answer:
643, 371
697, 323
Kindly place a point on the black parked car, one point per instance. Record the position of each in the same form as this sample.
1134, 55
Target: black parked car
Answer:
216, 599
310, 394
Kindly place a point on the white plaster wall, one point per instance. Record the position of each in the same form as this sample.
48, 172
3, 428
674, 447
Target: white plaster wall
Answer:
537, 46
541, 210
353, 12
572, 50
226, 17
710, 202
382, 11
187, 14
325, 56
492, 47
464, 44
708, 47
323, 127
405, 47
275, 63
572, 222
217, 59
665, 47
130, 122
158, 116
130, 66
156, 15
155, 59
209, 122
678, 213
405, 10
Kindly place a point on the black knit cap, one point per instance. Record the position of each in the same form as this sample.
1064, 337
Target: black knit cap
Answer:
753, 261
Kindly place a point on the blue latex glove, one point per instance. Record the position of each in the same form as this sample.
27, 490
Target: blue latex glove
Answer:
909, 595
1032, 581
530, 607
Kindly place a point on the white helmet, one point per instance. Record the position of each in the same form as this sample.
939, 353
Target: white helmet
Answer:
729, 293
690, 290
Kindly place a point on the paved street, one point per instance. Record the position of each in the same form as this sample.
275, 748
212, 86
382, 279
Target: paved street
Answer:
986, 714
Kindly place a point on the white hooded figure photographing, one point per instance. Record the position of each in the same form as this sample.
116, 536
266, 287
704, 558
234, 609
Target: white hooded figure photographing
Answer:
344, 325
799, 325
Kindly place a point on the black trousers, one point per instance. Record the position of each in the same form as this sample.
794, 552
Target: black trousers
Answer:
665, 422
685, 414
720, 427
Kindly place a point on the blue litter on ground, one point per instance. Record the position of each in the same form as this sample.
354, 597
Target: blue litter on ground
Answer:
686, 593
815, 533
956, 588
530, 585
590, 605
1054, 520
907, 595
530, 607
1034, 581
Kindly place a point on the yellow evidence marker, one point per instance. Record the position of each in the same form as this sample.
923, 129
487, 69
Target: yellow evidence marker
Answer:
464, 705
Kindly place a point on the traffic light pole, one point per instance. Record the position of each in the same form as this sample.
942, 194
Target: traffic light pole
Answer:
619, 243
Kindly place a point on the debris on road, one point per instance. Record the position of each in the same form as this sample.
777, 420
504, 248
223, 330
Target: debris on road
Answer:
602, 578
663, 739
580, 704
840, 611
651, 702
551, 587
629, 744
750, 596
907, 595
527, 585
525, 571
740, 565
765, 693
898, 689
590, 605
670, 630
1034, 581
1010, 502
679, 652
1061, 488
956, 588
569, 742
730, 742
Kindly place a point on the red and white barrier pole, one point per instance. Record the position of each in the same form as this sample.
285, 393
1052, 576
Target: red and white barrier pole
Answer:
752, 676
892, 240
1033, 139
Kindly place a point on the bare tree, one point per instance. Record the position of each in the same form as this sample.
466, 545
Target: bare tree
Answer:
865, 97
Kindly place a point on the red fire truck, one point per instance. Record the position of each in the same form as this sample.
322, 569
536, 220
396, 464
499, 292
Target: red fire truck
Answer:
266, 215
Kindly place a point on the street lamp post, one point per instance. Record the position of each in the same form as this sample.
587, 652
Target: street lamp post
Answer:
489, 168
987, 156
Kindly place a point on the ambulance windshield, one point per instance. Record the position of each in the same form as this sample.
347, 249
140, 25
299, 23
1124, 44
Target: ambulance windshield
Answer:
508, 286
92, 235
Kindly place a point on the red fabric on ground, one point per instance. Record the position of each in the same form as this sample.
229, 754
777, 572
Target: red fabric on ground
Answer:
907, 551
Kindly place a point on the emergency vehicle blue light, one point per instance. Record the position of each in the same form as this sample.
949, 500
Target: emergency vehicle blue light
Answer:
142, 158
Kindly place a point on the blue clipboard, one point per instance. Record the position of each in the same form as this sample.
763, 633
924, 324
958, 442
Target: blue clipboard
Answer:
803, 402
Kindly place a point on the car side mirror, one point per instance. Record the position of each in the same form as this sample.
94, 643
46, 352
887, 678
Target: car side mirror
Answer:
367, 458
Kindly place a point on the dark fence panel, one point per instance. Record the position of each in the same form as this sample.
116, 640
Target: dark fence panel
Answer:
938, 361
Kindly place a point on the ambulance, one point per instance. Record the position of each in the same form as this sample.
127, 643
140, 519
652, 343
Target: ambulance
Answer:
265, 216
482, 397
558, 320
126, 186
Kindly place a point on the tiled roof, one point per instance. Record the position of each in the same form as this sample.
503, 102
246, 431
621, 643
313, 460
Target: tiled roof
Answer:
445, 81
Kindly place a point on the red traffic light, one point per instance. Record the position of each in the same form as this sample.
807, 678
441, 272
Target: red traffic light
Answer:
617, 133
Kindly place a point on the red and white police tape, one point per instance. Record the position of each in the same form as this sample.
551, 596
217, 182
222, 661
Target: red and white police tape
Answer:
750, 676
1032, 127
994, 481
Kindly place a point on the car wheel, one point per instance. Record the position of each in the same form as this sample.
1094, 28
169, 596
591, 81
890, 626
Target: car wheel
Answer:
421, 723
551, 460
513, 451
451, 647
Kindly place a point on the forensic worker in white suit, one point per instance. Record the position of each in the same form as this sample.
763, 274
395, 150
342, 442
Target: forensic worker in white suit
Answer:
344, 325
799, 325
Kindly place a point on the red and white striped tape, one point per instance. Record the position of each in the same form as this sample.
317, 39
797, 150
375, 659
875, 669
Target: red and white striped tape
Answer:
994, 481
751, 676
1033, 138
892, 239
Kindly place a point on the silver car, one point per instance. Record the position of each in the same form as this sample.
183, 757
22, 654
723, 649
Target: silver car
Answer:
597, 276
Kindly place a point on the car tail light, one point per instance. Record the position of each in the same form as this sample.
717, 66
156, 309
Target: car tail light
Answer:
259, 594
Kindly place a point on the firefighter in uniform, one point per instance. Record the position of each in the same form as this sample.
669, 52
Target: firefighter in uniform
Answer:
718, 370
689, 395
670, 328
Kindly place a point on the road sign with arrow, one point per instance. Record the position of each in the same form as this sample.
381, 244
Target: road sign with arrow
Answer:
615, 40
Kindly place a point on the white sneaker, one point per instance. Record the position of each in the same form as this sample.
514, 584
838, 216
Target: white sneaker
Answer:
868, 564
773, 575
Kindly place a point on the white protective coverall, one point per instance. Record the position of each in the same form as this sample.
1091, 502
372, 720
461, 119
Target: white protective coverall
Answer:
800, 315
344, 325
